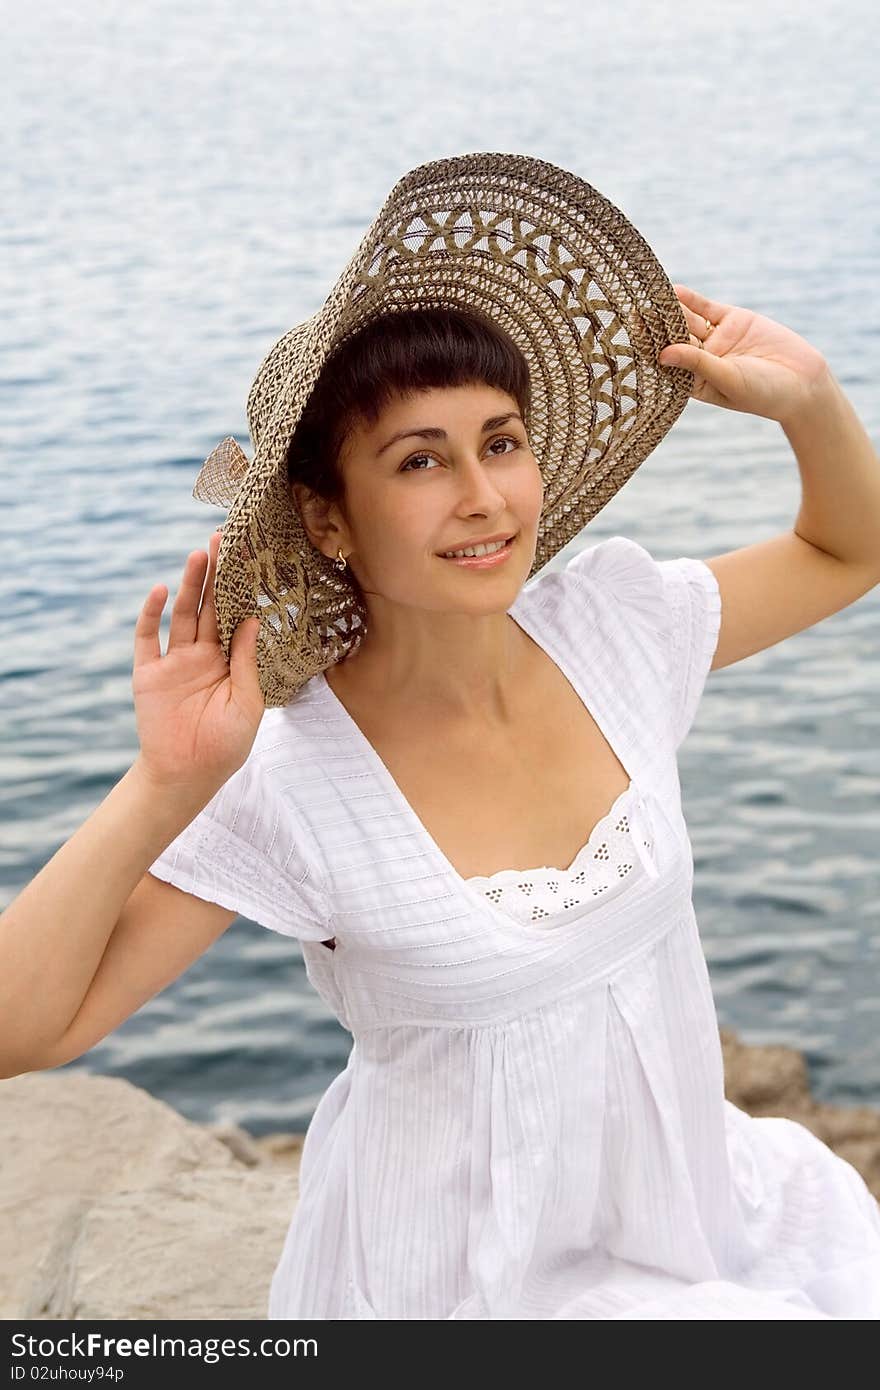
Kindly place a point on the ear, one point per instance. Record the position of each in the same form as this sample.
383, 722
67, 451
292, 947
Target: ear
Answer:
318, 518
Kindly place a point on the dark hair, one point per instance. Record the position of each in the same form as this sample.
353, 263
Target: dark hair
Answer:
401, 351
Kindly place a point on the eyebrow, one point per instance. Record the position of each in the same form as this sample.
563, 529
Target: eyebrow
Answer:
432, 432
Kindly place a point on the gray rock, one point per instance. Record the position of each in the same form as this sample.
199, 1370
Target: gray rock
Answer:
112, 1205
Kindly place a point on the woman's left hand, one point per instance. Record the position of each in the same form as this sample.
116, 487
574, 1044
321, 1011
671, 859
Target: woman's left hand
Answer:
747, 362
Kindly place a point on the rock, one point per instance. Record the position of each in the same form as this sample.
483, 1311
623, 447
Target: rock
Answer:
281, 1148
267, 1148
759, 1076
199, 1245
113, 1205
238, 1141
773, 1080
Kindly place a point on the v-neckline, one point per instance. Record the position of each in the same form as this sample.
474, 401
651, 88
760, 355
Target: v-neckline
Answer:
466, 890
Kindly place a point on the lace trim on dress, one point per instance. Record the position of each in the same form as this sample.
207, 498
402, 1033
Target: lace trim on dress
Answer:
609, 855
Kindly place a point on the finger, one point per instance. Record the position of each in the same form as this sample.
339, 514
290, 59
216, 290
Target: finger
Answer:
718, 371
207, 625
184, 614
696, 323
146, 630
711, 309
243, 667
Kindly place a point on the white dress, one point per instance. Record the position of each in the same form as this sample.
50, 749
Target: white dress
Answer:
532, 1120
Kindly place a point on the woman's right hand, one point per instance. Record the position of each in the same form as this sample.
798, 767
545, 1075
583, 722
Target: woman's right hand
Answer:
197, 714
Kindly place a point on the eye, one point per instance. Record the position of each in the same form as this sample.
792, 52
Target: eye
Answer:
414, 458
502, 438
405, 468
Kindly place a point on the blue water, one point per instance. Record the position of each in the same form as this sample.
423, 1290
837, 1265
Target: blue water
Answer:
183, 184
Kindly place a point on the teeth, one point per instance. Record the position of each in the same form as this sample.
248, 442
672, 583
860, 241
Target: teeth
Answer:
475, 550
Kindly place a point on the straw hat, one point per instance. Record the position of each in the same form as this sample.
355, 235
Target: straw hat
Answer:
553, 263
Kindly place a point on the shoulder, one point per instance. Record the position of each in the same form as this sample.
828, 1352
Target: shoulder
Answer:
613, 562
289, 738
250, 848
260, 805
654, 623
619, 566
615, 585
619, 578
665, 591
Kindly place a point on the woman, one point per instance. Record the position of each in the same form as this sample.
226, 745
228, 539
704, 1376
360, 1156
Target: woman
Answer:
463, 799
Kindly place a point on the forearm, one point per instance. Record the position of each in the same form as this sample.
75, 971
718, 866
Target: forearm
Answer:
840, 478
54, 933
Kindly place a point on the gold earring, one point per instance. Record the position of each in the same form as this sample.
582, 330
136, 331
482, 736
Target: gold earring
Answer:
339, 562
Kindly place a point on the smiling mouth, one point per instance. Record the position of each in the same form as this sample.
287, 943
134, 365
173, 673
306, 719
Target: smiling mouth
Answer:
478, 552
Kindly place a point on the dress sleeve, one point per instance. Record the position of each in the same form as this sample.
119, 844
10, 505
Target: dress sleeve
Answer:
246, 851
665, 615
693, 602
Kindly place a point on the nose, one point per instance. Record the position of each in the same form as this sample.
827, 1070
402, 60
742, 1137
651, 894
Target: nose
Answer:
477, 492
